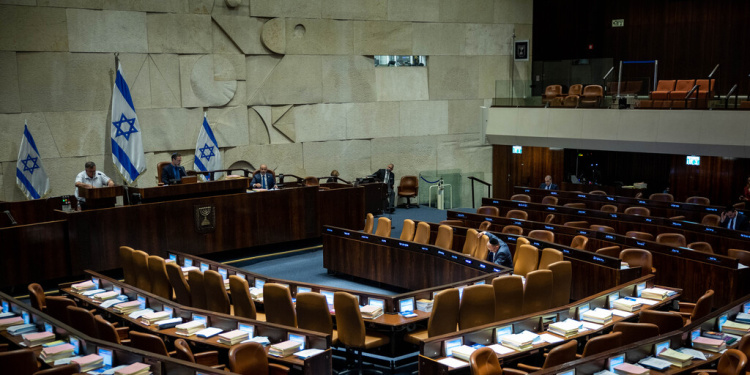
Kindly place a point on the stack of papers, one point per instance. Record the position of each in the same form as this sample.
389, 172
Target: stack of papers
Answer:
92, 292
605, 372
80, 287
676, 358
135, 369
743, 318
371, 311
567, 328
149, 319
209, 332
233, 337
54, 353
519, 341
39, 338
9, 322
598, 315
655, 363
697, 354
126, 307
630, 369
627, 304
89, 362
658, 294
139, 313
169, 323
187, 269
21, 329
263, 340
463, 352
735, 328
190, 328
256, 294
307, 353
285, 348
452, 362
424, 305
100, 297
712, 345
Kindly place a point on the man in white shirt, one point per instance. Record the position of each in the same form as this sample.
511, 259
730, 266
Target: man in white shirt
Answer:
90, 178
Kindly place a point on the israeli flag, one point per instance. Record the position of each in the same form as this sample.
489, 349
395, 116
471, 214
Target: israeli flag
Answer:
31, 177
207, 155
127, 146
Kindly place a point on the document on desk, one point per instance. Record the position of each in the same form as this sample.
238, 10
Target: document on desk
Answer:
500, 349
453, 362
621, 313
697, 354
550, 338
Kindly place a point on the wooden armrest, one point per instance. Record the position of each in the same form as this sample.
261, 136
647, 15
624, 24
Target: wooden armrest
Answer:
210, 358
528, 368
122, 332
579, 356
172, 353
125, 342
512, 371
274, 369
686, 307
219, 367
3, 348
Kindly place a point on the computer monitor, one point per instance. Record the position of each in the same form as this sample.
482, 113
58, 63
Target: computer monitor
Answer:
581, 310
639, 289
188, 262
449, 345
6, 306
169, 310
142, 300
694, 334
460, 292
503, 331
249, 328
76, 342
660, 347
376, 302
720, 322
480, 282
26, 316
406, 304
201, 318
173, 257
106, 355
329, 296
204, 267
569, 372
693, 160
298, 338
302, 289
95, 280
614, 361
746, 308
116, 289
259, 283
49, 328
611, 300
223, 273
241, 276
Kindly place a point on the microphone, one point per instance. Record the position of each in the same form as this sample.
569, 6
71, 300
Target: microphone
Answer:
10, 217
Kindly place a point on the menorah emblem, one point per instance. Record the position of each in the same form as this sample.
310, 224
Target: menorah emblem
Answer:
204, 212
205, 218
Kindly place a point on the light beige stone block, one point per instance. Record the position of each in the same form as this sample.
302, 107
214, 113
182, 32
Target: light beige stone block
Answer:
295, 80
679, 127
399, 84
410, 155
283, 129
439, 38
350, 158
568, 123
222, 43
137, 75
11, 126
161, 6
82, 4
373, 120
514, 11
481, 11
382, 38
25, 28
18, 2
320, 122
10, 96
106, 31
534, 122
502, 121
240, 95
638, 126
79, 133
257, 71
318, 37
237, 61
597, 124
488, 39
348, 79
285, 8
273, 35
489, 69
464, 152
230, 126
239, 8
283, 158
206, 80
245, 32
65, 81
414, 10
200, 6
164, 70
723, 127
524, 31
170, 129
258, 132
464, 116
453, 77
278, 112
354, 9
424, 118
179, 33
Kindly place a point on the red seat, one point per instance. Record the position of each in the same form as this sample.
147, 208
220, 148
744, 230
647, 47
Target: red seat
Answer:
663, 88
682, 87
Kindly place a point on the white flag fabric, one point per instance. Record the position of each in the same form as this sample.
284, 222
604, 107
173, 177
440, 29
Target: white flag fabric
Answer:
207, 156
31, 177
127, 145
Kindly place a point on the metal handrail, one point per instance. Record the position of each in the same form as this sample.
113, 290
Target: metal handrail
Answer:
489, 192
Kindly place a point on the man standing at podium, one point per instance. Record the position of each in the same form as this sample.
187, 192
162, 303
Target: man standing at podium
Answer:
90, 178
174, 172
386, 176
263, 179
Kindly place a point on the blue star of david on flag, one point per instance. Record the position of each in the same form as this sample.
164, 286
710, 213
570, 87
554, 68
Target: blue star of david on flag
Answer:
203, 152
26, 162
207, 155
33, 185
126, 133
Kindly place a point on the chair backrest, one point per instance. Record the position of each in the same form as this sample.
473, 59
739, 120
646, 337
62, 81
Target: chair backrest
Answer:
106, 330
488, 210
148, 342
703, 247
662, 197
602, 228
519, 241
561, 354
57, 307
508, 296
744, 345
634, 332
743, 256
526, 261
673, 239
665, 85
140, 267
711, 220
684, 84
638, 211
159, 166
521, 197
705, 85
408, 185
384, 227
644, 236
278, 305
444, 238
549, 219
444, 315
69, 369
579, 242
485, 226
517, 214
537, 293
703, 305
369, 223
248, 358
36, 296
197, 289
608, 208
452, 223
470, 243
480, 250
158, 275
179, 284
312, 313
21, 361
82, 320
667, 321
183, 351
548, 257
562, 277
732, 362
477, 306
611, 251
483, 361
407, 231
638, 258
599, 344
553, 90
577, 224
698, 200
241, 300
542, 235
550, 200
576, 89
512, 229
423, 233
311, 181
349, 321
575, 205
593, 90
126, 259
216, 293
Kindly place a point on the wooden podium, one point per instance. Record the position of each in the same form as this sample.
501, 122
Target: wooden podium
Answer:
104, 197
186, 191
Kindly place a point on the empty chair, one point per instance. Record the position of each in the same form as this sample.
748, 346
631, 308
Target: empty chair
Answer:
600, 344
485, 226
36, 296
313, 314
384, 227
241, 301
488, 210
576, 89
57, 307
667, 321
477, 306
512, 229
452, 223
508, 296
579, 242
179, 284
663, 88
575, 205
608, 208
517, 214
542, 235
407, 232
216, 293
148, 342
711, 220
548, 257
480, 250
703, 247
526, 260
732, 362
140, 266
82, 320
520, 197
69, 369
638, 258
312, 181
197, 289
577, 224
638, 211
423, 233
634, 332
602, 228
519, 241
610, 251
351, 326
698, 200
470, 243
682, 87
558, 355
549, 219
126, 260
702, 307
562, 277
744, 345
640, 235
661, 197
743, 256
250, 359
108, 332
21, 361
408, 188
671, 239
278, 305
597, 192
158, 275
551, 92
537, 293
677, 218
369, 223
444, 238
183, 352
443, 318
550, 200
592, 96
483, 361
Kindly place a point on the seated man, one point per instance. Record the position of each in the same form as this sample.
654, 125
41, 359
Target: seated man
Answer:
90, 178
547, 184
174, 172
732, 219
263, 179
499, 250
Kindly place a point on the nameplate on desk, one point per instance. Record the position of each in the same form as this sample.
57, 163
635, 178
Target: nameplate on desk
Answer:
553, 192
712, 209
566, 251
673, 205
526, 190
440, 252
609, 237
494, 269
676, 224
329, 230
583, 232
536, 243
460, 215
642, 202
640, 243
547, 227
364, 237
580, 212
744, 235
517, 223
482, 265
495, 202
647, 220
676, 251
610, 199
709, 229
468, 261
522, 205
550, 208
511, 238
454, 257
347, 234
581, 195
383, 240
404, 244
713, 259
488, 218
598, 259
425, 248
614, 216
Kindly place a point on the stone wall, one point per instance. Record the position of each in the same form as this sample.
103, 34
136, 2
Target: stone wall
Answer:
289, 83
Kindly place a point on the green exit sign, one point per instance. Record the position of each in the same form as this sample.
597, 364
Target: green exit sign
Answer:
618, 23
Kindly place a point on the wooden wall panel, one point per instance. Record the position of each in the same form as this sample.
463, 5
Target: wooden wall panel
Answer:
525, 169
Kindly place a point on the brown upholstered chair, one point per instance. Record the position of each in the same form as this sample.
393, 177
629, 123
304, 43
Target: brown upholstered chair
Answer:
592, 96
444, 238
521, 197
576, 89
480, 250
698, 200
241, 301
548, 257
36, 297
69, 369
313, 314
423, 233
744, 345
743, 256
638, 211
663, 88
574, 96
732, 362
537, 293
549, 219
312, 181
512, 229
485, 226
126, 260
517, 214
443, 318
470, 243
562, 278
703, 247
706, 88
643, 236
667, 321
278, 305
108, 332
148, 342
21, 361
579, 242
351, 326
526, 260
577, 205
702, 307
508, 296
681, 88
671, 239
182, 351
577, 224
140, 267
488, 210
600, 344
639, 258
407, 231
559, 355
519, 241
197, 289
483, 361
661, 197
216, 293
610, 251
711, 220
159, 166
634, 332
477, 306
608, 208
550, 200
408, 188
597, 192
158, 275
542, 235
82, 320
179, 284
602, 228
250, 359
677, 218
57, 307
369, 223
551, 93
384, 227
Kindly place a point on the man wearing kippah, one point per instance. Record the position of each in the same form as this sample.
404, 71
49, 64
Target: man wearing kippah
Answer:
499, 250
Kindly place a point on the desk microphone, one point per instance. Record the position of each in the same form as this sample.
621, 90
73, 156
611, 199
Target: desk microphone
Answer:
10, 217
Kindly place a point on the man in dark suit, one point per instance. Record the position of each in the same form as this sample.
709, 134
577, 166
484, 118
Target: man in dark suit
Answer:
498, 250
386, 176
731, 219
174, 172
263, 179
547, 184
